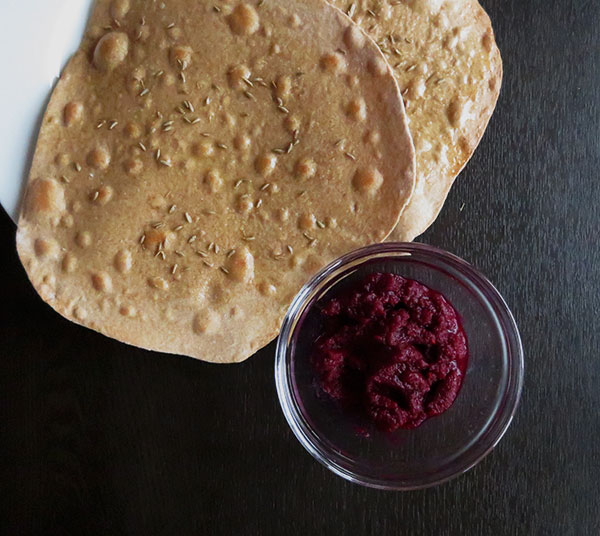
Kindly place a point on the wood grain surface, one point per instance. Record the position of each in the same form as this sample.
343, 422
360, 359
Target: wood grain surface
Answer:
100, 438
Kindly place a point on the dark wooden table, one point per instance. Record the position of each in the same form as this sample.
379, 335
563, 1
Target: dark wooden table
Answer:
100, 438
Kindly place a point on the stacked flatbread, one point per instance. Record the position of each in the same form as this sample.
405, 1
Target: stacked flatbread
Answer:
449, 69
198, 161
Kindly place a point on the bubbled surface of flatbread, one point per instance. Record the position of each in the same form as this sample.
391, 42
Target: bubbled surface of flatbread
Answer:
449, 69
198, 161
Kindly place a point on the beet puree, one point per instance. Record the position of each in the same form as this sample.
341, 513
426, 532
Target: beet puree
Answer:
392, 349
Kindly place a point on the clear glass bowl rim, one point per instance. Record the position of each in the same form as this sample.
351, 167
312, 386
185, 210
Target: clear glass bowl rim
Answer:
514, 357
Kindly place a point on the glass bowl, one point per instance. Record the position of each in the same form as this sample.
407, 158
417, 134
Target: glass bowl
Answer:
442, 447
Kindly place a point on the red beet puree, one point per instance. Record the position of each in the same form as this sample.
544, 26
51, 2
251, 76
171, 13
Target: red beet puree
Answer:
392, 350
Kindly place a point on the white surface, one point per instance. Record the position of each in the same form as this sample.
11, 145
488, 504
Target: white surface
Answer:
37, 39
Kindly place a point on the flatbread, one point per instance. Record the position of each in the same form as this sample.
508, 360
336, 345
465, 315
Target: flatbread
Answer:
449, 70
199, 160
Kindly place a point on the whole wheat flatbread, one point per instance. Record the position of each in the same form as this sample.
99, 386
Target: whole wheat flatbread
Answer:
199, 160
449, 70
